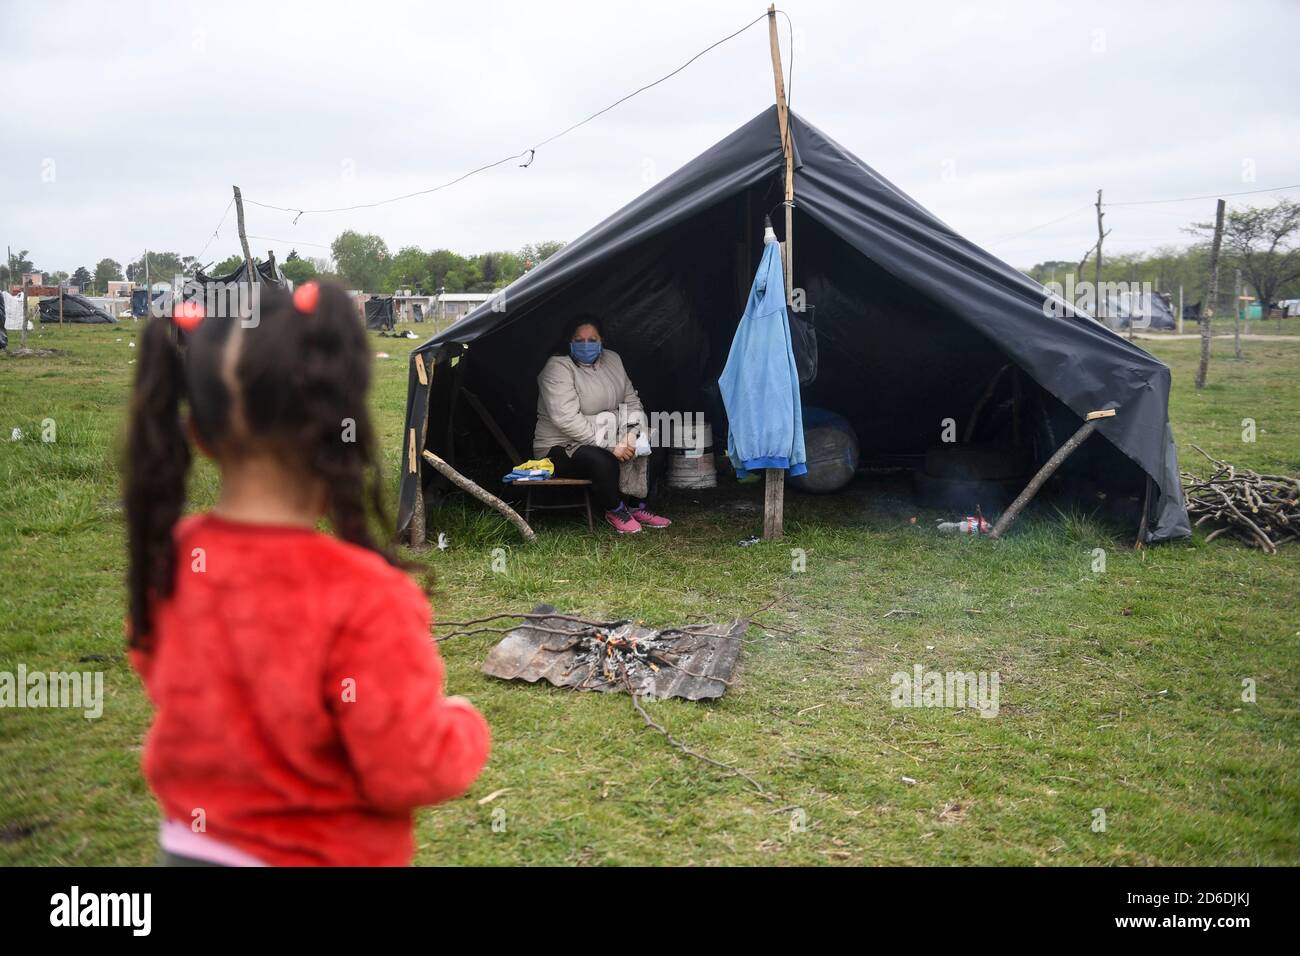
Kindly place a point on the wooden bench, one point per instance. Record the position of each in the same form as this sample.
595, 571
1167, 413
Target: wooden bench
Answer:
581, 483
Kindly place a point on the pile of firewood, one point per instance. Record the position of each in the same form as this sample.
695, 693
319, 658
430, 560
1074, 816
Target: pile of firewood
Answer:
1261, 510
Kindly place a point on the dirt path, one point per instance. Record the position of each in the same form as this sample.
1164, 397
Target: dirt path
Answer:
1192, 336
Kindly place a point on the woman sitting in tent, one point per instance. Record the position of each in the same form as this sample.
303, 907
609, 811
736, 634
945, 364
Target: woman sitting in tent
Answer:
589, 418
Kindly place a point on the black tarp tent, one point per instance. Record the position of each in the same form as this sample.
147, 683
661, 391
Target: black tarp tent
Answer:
912, 322
267, 271
379, 312
76, 308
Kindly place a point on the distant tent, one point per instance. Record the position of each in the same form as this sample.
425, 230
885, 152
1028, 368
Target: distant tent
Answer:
913, 322
1146, 310
76, 308
379, 312
216, 294
267, 271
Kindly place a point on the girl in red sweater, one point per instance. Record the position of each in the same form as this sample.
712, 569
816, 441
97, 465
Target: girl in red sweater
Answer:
300, 714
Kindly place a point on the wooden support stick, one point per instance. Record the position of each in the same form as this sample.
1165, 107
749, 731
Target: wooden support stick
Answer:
1048, 469
1141, 541
463, 483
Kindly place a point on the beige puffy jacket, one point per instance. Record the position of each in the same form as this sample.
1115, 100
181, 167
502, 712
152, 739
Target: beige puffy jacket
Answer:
580, 405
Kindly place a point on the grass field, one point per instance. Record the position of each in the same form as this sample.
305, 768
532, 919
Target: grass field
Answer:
1121, 690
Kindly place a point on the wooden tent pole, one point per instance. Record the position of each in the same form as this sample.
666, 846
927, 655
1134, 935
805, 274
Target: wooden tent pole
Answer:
243, 236
774, 478
1048, 469
783, 121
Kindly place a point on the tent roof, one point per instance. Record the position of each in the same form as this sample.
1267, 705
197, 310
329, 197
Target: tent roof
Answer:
1078, 360
268, 271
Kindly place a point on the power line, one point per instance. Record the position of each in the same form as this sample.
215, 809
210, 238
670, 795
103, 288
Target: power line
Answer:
1248, 192
213, 237
291, 242
1041, 225
530, 153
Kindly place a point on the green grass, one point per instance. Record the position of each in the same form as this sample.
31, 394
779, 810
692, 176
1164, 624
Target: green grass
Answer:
1121, 690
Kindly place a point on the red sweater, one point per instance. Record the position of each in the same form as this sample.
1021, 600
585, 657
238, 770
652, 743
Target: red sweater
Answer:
299, 698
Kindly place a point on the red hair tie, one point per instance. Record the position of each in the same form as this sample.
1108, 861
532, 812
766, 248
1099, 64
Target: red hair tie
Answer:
188, 315
306, 296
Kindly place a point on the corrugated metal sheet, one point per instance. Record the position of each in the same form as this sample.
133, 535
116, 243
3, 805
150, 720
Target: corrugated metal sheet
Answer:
703, 658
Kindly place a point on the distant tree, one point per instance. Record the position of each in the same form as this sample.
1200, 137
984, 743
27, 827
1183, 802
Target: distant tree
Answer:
226, 266
362, 259
443, 262
163, 267
12, 272
106, 271
535, 253
1264, 243
81, 278
489, 270
410, 267
298, 270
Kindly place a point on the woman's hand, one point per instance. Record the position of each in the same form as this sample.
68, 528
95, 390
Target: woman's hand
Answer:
624, 452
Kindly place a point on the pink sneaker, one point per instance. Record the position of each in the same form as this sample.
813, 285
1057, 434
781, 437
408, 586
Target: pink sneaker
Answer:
624, 522
649, 519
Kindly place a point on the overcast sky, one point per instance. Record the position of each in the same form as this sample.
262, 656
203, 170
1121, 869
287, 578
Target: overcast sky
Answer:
127, 123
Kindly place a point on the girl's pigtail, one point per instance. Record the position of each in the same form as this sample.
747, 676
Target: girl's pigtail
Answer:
156, 468
340, 439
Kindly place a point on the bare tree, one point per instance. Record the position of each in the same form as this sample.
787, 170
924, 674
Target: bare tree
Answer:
1264, 242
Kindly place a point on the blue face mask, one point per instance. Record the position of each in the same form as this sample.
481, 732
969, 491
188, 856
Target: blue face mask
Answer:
585, 353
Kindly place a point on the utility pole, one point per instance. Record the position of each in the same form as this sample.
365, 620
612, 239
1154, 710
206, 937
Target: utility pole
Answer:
1097, 269
1180, 308
1211, 296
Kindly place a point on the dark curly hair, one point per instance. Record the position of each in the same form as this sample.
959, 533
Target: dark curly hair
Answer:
292, 384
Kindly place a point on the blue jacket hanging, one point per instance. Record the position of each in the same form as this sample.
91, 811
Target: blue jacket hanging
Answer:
760, 384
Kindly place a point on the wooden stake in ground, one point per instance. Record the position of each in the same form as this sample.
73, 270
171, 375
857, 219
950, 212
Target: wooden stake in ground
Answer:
464, 484
1236, 313
1049, 469
418, 534
774, 478
1211, 296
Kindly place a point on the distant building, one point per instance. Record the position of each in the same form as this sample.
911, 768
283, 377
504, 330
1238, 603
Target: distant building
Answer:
120, 288
451, 306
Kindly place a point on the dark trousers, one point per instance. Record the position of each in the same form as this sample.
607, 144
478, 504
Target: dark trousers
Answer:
597, 465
